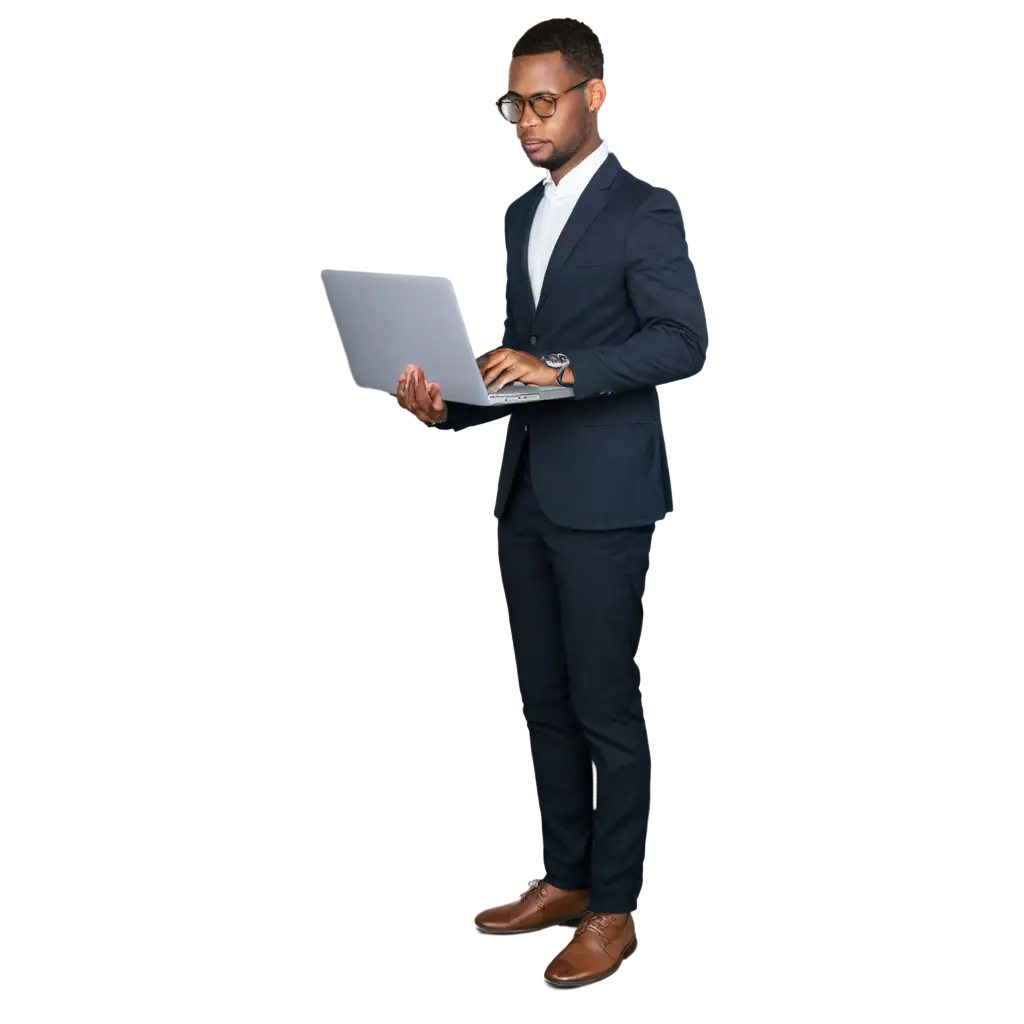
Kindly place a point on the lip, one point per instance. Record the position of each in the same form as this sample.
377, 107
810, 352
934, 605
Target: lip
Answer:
534, 143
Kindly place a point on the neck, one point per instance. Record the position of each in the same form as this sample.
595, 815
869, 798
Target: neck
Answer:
579, 156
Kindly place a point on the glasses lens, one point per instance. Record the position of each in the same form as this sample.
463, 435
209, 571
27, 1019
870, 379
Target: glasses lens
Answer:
511, 109
544, 105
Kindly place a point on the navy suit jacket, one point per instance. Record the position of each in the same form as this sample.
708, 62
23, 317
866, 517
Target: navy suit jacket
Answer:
620, 299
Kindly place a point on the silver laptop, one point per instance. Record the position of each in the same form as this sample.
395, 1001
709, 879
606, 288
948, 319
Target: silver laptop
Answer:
387, 321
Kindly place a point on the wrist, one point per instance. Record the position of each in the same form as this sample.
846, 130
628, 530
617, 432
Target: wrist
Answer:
558, 365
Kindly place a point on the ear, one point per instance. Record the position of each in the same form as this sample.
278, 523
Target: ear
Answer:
597, 95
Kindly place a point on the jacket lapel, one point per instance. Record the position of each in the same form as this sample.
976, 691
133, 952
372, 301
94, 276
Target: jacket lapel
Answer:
518, 244
591, 203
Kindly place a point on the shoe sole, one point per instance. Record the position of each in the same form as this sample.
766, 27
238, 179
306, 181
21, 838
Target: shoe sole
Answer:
628, 951
574, 920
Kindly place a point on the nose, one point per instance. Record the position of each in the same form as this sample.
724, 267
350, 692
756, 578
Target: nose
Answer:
529, 120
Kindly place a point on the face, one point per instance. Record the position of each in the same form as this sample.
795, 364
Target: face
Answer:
573, 123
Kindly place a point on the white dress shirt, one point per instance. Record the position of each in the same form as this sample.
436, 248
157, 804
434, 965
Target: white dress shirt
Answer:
553, 211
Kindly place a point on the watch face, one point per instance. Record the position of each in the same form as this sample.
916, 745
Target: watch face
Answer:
555, 360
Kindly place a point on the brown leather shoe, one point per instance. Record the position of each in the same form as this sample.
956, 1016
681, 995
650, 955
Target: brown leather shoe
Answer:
541, 906
601, 943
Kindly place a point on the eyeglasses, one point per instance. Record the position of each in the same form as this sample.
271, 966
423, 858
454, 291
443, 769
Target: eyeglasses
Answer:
511, 107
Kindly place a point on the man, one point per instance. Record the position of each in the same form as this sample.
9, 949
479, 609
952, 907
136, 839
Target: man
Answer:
601, 295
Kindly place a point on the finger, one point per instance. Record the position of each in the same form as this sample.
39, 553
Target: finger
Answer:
496, 366
511, 374
411, 388
508, 371
407, 390
431, 400
492, 358
420, 396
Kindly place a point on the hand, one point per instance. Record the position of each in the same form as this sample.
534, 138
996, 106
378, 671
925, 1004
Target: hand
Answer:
421, 397
501, 366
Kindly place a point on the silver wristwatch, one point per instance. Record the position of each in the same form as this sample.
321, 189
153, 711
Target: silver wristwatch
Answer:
557, 361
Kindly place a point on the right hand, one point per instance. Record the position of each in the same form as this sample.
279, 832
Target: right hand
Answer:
421, 397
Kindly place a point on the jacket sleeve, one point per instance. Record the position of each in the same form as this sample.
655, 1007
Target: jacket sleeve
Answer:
672, 338
479, 422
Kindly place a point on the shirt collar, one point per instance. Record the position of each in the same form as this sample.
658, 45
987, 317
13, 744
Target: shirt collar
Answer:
578, 178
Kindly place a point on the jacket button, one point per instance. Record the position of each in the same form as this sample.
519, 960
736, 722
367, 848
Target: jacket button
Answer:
533, 340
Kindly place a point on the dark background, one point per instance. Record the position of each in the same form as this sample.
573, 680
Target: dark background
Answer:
257, 751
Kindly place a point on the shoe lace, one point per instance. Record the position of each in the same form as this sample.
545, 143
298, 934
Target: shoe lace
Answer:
533, 889
592, 921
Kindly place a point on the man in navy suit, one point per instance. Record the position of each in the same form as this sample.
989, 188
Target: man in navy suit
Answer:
602, 296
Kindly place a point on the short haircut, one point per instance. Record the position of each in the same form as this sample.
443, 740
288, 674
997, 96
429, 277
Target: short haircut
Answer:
576, 42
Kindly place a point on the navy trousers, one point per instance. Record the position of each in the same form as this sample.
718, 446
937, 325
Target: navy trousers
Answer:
575, 609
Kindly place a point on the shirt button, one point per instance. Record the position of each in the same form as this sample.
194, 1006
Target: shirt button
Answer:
533, 340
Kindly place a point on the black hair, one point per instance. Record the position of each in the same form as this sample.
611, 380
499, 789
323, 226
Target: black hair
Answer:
579, 47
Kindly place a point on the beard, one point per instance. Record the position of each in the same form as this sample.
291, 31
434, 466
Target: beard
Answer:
557, 160
560, 156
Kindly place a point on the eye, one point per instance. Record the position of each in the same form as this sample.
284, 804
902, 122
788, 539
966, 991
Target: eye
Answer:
511, 108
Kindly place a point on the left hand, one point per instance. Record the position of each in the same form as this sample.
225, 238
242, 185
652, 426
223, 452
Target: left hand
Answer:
502, 366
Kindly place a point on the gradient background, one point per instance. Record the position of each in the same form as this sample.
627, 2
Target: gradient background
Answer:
258, 755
